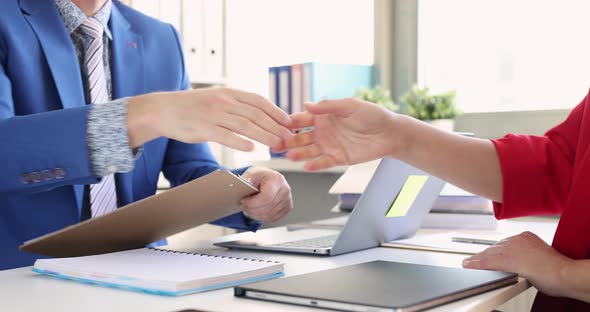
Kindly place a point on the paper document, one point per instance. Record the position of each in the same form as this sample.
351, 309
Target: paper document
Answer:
355, 179
443, 242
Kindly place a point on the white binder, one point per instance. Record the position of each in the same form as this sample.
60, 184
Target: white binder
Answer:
214, 39
193, 38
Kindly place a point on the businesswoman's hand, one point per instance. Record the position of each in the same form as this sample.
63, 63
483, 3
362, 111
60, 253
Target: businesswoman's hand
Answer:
528, 256
214, 114
274, 200
351, 131
345, 132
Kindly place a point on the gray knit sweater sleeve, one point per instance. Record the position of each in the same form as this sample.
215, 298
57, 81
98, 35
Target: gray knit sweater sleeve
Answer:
107, 138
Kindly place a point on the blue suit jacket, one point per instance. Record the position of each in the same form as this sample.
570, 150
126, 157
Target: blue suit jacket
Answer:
44, 161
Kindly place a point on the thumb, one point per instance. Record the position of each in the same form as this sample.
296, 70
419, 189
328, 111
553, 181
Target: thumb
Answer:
255, 176
338, 107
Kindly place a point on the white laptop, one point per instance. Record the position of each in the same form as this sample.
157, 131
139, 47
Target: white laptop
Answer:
393, 205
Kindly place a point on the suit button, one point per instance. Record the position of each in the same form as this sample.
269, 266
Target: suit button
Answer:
47, 175
26, 178
59, 173
36, 176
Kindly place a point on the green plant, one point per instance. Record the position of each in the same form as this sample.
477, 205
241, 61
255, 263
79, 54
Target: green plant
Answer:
425, 106
377, 95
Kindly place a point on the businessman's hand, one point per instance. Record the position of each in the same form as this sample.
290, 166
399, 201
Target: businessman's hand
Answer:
528, 256
274, 200
214, 114
345, 132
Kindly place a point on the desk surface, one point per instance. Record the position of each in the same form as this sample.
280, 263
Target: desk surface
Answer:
22, 290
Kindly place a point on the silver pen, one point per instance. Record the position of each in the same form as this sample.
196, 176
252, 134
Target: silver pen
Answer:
470, 240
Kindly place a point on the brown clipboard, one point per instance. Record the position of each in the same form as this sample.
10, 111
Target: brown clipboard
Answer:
136, 225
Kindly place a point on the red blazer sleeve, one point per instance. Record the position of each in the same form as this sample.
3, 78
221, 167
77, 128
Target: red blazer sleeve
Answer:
537, 171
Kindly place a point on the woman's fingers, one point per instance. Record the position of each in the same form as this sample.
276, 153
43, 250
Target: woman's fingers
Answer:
492, 250
303, 153
337, 107
492, 262
301, 120
298, 140
323, 162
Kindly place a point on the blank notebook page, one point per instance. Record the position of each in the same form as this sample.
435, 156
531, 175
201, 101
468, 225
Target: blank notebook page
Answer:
158, 265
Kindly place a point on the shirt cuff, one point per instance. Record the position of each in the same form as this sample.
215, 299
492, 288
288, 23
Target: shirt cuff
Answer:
249, 218
251, 222
108, 140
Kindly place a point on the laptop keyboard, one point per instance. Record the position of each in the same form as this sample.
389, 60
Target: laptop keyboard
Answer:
316, 242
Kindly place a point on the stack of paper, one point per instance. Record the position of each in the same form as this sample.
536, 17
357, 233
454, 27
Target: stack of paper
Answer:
161, 272
442, 242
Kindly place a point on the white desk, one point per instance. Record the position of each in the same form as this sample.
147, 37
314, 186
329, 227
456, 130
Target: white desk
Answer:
22, 290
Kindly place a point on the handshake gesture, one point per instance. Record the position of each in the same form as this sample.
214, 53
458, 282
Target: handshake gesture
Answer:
344, 131
336, 132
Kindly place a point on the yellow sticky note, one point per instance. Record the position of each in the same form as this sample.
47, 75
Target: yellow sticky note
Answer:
407, 195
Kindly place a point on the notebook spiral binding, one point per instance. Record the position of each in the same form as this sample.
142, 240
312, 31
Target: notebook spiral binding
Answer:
211, 256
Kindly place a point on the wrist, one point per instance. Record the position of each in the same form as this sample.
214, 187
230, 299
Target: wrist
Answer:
566, 277
399, 127
142, 125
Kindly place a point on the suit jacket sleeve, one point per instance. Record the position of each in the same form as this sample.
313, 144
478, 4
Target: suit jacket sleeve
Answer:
185, 162
40, 151
537, 170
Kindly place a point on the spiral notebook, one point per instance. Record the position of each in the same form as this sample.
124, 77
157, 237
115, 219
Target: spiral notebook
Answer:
159, 271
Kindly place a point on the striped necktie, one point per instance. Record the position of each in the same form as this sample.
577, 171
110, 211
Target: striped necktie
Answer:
103, 195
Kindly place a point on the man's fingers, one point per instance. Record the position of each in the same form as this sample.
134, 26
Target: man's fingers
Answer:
230, 139
259, 205
273, 212
243, 126
265, 105
286, 207
323, 162
268, 193
304, 153
260, 118
283, 195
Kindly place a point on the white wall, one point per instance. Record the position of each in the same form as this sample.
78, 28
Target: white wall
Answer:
506, 55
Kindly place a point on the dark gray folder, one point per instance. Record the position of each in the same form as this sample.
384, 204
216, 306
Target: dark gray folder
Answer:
378, 286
